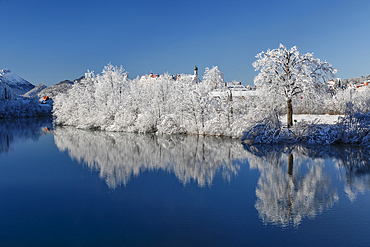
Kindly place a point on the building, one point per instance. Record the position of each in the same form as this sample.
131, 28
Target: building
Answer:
332, 84
153, 77
361, 86
235, 89
149, 78
195, 76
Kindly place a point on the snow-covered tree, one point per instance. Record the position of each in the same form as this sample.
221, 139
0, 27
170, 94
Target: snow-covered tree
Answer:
290, 73
214, 78
6, 92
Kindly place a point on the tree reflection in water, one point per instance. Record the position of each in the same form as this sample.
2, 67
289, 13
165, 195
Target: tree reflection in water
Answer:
293, 184
22, 129
353, 163
119, 156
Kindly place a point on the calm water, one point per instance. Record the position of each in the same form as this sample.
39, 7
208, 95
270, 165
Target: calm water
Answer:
68, 187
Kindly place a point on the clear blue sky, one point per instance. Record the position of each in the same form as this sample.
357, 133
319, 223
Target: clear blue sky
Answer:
50, 41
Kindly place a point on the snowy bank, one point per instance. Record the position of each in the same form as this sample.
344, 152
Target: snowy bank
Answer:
22, 107
322, 119
353, 128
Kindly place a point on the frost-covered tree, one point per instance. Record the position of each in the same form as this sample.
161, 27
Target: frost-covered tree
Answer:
214, 78
6, 92
290, 73
111, 101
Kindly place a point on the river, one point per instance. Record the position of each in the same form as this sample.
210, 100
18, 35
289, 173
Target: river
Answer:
60, 186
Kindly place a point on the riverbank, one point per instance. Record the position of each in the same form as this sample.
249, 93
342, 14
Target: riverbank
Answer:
353, 128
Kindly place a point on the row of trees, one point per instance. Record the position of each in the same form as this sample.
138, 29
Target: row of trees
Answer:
110, 101
287, 78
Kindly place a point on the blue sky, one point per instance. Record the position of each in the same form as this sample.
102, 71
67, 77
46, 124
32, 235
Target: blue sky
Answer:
50, 41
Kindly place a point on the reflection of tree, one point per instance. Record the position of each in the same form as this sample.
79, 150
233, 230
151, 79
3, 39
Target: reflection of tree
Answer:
119, 156
285, 197
292, 185
290, 189
20, 128
354, 167
353, 162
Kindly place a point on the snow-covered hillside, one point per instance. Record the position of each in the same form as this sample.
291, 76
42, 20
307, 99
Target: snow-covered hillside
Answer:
61, 87
34, 92
19, 85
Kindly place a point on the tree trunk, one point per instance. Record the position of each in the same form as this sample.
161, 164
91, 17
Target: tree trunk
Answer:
290, 164
290, 114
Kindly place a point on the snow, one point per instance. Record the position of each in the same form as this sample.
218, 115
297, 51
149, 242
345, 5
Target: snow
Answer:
16, 83
322, 119
12, 105
35, 91
11, 79
235, 93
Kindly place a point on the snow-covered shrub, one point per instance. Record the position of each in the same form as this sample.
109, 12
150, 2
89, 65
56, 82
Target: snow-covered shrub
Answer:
355, 126
268, 130
170, 125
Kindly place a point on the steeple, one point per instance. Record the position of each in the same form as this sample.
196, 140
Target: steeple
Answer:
195, 76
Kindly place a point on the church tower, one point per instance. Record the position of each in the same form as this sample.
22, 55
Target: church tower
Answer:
195, 76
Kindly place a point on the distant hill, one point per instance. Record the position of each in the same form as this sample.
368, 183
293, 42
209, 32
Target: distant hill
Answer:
58, 88
18, 85
33, 92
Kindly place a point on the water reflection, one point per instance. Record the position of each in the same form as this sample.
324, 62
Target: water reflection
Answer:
293, 184
354, 169
21, 129
352, 162
291, 187
119, 156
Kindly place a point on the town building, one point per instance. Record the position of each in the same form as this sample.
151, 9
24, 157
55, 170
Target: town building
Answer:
153, 77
